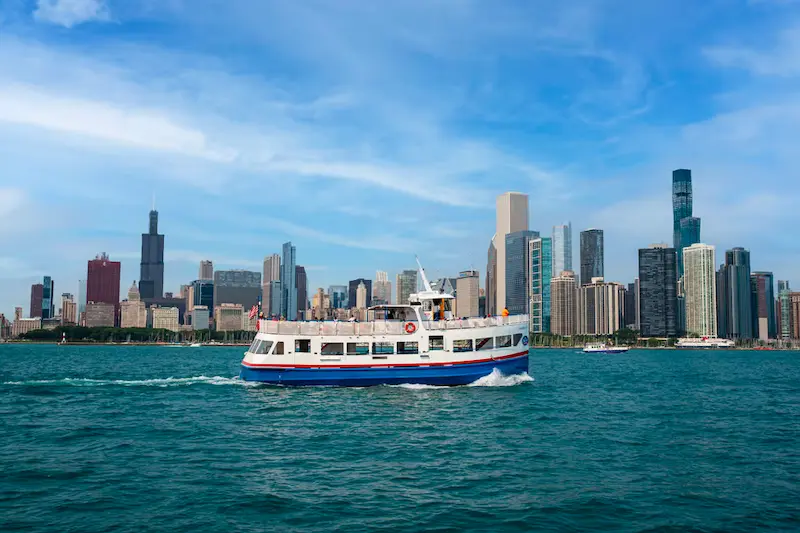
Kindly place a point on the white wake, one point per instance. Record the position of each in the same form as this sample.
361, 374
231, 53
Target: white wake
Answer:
157, 382
498, 379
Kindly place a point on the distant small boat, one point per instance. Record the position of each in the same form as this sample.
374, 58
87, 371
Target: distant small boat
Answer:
195, 345
601, 347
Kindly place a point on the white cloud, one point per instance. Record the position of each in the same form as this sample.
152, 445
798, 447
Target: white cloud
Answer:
135, 127
70, 13
783, 60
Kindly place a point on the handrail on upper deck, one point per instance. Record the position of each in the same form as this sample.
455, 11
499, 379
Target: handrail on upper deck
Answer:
381, 327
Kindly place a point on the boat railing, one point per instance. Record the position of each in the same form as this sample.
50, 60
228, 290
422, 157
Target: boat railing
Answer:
379, 327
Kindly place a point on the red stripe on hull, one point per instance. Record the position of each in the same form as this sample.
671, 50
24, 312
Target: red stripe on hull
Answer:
518, 354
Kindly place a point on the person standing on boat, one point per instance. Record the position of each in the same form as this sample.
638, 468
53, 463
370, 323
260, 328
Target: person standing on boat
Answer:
505, 312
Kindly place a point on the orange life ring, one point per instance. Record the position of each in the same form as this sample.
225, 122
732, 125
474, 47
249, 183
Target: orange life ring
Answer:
410, 327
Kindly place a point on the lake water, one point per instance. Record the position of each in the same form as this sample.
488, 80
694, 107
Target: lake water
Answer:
131, 439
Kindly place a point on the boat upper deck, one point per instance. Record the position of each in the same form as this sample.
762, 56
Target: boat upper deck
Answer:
382, 327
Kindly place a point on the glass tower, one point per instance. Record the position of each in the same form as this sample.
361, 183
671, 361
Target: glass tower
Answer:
289, 282
688, 232
734, 298
562, 248
541, 272
658, 308
763, 289
591, 255
338, 296
518, 271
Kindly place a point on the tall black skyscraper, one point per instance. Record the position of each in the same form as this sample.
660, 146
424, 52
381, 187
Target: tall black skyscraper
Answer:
591, 255
658, 315
734, 296
151, 277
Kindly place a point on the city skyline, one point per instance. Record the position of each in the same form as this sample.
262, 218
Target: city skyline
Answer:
327, 120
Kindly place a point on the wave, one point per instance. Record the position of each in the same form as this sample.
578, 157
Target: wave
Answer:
416, 386
498, 379
157, 382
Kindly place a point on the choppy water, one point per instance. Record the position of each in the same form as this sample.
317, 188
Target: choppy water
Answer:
134, 439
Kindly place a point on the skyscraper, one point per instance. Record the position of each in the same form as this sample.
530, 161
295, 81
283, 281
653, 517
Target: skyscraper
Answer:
517, 271
289, 282
352, 288
467, 293
632, 306
361, 295
69, 309
512, 217
48, 298
406, 283
202, 294
658, 292
763, 293
562, 248
36, 300
102, 280
563, 304
81, 298
785, 307
600, 306
685, 228
151, 277
206, 271
337, 294
734, 296
540, 260
238, 287
491, 279
700, 288
301, 282
382, 289
592, 261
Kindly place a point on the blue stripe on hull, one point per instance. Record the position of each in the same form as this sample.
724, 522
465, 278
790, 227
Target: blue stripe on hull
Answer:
363, 377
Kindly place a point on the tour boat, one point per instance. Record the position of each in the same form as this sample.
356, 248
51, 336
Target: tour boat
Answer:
416, 343
704, 343
599, 347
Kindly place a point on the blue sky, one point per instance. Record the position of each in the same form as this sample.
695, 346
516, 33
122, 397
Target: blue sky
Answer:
367, 132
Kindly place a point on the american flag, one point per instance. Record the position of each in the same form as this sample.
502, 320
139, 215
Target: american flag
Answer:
253, 312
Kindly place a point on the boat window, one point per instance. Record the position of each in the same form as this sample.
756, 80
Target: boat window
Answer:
263, 347
252, 348
279, 348
333, 348
302, 345
408, 347
382, 347
486, 343
357, 348
517, 338
462, 345
435, 342
503, 341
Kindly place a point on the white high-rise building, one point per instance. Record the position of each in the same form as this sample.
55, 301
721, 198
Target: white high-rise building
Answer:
467, 293
700, 289
381, 288
512, 215
361, 296
562, 248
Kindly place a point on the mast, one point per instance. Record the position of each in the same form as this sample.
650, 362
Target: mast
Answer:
425, 283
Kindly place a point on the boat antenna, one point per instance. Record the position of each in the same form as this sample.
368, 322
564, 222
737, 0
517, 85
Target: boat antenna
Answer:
424, 277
